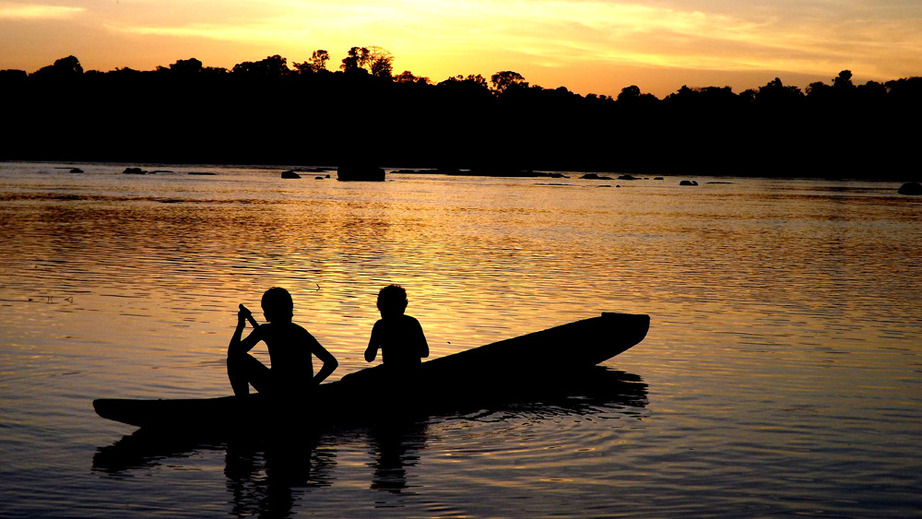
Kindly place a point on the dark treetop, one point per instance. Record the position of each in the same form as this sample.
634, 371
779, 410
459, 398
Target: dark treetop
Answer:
267, 113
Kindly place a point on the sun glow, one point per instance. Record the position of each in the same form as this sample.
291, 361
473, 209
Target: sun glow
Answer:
548, 41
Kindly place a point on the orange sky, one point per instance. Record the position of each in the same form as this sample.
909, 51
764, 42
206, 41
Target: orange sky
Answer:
588, 46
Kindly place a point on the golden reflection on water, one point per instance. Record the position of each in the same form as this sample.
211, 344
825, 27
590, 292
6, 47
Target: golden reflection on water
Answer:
785, 316
471, 254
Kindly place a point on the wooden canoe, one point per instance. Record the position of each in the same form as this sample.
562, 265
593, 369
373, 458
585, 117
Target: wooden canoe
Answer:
473, 377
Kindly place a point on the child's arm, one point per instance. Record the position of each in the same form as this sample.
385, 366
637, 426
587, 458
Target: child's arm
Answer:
372, 350
422, 344
238, 346
329, 362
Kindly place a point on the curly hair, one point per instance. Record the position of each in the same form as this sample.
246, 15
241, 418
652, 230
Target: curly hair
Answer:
392, 296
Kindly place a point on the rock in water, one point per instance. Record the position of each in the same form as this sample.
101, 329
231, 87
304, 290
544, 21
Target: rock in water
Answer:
360, 172
911, 188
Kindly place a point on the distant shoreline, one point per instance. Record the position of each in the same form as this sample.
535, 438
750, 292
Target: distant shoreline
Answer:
572, 174
262, 114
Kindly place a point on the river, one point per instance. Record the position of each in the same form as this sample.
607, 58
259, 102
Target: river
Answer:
782, 373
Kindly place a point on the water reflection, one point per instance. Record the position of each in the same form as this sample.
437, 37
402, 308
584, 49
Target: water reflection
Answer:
261, 477
395, 449
262, 471
147, 449
787, 335
266, 471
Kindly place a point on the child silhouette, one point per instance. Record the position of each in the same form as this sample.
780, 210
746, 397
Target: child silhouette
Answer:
290, 347
399, 337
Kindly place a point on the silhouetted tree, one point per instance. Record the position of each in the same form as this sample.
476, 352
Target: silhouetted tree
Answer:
776, 93
683, 95
356, 57
476, 80
319, 60
836, 129
507, 79
872, 89
408, 77
317, 63
12, 76
843, 81
710, 99
817, 90
629, 93
905, 91
271, 67
187, 66
64, 68
843, 90
471, 82
374, 60
380, 63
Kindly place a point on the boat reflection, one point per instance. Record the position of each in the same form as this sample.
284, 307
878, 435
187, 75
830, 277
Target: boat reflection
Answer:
594, 390
263, 471
263, 468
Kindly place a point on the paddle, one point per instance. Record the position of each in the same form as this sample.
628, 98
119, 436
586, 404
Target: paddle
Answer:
249, 316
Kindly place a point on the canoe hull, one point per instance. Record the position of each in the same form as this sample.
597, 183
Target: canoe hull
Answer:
472, 377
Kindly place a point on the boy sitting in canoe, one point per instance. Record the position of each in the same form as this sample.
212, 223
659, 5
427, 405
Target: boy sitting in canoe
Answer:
290, 348
400, 337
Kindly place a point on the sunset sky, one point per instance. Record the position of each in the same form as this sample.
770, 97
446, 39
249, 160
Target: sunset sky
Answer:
588, 46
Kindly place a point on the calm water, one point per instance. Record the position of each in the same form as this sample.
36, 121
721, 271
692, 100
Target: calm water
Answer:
782, 374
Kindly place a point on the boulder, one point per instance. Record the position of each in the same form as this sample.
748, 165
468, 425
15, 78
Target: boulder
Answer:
360, 172
910, 188
290, 174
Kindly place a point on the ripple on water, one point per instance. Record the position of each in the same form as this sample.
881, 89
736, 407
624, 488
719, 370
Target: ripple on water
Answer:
781, 372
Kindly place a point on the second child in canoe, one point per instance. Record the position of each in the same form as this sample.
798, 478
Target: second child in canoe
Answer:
399, 336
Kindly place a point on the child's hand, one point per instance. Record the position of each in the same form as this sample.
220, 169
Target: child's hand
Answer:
244, 314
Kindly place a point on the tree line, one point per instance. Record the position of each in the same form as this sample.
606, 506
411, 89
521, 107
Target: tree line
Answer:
267, 112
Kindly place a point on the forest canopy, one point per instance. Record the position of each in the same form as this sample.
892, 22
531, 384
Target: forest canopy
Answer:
271, 113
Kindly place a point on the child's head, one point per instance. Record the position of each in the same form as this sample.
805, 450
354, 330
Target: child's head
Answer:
392, 300
277, 305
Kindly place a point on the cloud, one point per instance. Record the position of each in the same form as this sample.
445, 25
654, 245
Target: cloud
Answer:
715, 35
252, 33
820, 36
10, 11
